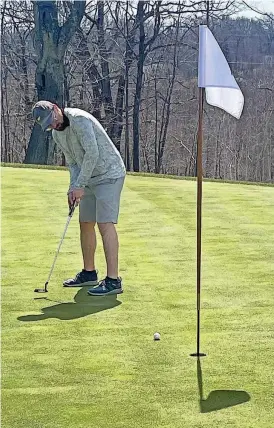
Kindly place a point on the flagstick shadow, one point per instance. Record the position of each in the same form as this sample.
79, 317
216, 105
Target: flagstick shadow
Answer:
82, 306
218, 399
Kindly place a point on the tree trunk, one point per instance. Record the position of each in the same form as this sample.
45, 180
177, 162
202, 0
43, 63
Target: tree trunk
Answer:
5, 121
127, 157
4, 97
156, 123
138, 90
25, 85
107, 97
51, 42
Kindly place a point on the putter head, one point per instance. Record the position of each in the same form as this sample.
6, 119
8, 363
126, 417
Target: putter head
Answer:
42, 290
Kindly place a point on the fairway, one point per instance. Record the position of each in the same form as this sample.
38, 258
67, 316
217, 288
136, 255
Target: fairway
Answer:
75, 361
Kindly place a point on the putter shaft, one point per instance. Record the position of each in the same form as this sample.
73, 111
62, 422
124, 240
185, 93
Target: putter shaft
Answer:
45, 289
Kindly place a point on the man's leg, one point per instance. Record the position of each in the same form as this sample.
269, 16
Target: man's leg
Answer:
107, 211
88, 276
88, 244
87, 216
111, 248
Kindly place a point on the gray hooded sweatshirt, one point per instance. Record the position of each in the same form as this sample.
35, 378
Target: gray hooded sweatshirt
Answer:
90, 154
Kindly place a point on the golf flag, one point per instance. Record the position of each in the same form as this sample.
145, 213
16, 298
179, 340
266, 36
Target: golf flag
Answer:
215, 76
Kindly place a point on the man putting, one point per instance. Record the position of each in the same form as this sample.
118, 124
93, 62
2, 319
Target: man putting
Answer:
97, 174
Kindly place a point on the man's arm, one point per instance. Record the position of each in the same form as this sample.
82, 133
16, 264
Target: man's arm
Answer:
74, 174
74, 169
87, 139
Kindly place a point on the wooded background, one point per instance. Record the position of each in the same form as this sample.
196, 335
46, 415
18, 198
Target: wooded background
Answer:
133, 65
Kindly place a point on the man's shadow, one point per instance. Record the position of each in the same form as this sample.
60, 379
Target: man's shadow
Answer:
219, 399
82, 306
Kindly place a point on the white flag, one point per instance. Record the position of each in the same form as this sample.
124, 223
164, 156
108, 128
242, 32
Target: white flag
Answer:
215, 76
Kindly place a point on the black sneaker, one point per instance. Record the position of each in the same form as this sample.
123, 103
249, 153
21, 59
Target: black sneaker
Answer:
106, 287
82, 278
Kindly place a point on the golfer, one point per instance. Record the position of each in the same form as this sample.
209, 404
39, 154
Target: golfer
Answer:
97, 174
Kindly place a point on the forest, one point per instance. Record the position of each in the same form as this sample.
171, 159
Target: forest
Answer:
133, 65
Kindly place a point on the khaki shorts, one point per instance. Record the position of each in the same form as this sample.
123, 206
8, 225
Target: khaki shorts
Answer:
101, 202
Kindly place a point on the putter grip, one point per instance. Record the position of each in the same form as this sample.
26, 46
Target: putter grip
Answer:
72, 208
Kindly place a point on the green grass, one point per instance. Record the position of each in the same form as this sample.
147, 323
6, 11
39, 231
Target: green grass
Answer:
79, 362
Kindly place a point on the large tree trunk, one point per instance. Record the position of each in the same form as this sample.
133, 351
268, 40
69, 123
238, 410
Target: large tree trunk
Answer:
50, 86
51, 42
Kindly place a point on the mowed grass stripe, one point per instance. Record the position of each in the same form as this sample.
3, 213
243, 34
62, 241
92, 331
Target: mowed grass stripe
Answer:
231, 234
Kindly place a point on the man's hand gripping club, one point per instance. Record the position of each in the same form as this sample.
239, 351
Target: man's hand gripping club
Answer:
74, 196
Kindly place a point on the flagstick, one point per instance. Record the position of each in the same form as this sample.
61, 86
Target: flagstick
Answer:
199, 214
199, 168
208, 50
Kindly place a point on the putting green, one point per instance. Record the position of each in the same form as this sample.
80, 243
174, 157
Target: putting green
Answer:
76, 361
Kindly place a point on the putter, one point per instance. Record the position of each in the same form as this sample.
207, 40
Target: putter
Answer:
45, 289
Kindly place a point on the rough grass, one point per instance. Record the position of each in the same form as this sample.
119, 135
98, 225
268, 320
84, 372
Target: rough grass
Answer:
77, 361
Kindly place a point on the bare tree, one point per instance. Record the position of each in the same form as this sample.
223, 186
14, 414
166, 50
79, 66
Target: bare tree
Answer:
144, 47
167, 102
51, 41
16, 95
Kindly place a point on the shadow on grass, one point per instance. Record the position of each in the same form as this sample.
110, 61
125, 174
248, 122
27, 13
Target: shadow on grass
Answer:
84, 305
219, 399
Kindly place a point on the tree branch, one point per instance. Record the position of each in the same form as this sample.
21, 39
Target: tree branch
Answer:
73, 21
270, 16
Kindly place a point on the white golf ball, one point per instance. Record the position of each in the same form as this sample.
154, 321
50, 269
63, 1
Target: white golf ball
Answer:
157, 336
